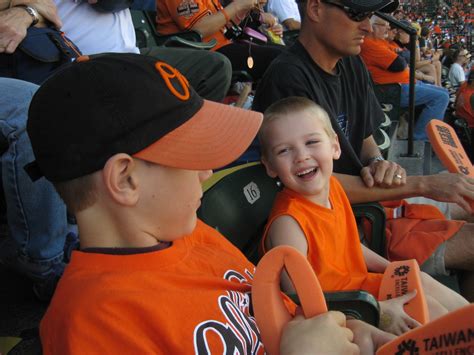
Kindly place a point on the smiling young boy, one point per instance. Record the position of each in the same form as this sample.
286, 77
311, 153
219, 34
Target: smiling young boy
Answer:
127, 143
313, 214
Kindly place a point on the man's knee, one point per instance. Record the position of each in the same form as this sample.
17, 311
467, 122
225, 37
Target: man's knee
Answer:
219, 64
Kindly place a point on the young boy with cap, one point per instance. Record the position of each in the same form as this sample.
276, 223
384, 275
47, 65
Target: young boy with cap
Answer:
127, 143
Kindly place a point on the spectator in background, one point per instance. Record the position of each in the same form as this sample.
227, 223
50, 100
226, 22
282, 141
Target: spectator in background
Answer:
287, 13
388, 67
456, 75
214, 21
465, 101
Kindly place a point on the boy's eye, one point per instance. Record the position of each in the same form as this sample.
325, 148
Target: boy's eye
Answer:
282, 151
310, 142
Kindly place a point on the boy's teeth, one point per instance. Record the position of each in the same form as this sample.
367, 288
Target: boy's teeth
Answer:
307, 171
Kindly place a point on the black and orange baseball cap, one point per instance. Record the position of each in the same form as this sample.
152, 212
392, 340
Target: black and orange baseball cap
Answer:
129, 103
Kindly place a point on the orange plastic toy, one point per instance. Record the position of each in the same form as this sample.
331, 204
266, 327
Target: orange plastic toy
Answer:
401, 277
449, 149
452, 333
270, 311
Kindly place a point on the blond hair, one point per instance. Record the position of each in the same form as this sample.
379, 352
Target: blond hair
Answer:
288, 107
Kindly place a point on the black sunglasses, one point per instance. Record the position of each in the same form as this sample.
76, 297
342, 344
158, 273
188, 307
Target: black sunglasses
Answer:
351, 13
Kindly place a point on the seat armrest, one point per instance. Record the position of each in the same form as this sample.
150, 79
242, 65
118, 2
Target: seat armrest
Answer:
356, 304
181, 40
375, 213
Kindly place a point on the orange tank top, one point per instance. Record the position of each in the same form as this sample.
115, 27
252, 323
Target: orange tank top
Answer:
334, 249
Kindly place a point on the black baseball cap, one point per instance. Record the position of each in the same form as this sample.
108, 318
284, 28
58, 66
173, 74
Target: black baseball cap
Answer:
115, 103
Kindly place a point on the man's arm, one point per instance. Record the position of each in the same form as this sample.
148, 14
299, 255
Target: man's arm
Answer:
377, 171
292, 24
15, 21
450, 187
46, 8
211, 24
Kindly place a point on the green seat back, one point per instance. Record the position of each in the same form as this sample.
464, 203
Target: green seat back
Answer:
238, 206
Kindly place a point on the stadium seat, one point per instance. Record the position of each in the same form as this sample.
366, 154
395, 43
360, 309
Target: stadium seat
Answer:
237, 204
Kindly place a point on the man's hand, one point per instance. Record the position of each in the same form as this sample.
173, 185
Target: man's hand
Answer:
277, 29
13, 25
367, 337
324, 334
384, 174
46, 8
393, 317
450, 187
268, 19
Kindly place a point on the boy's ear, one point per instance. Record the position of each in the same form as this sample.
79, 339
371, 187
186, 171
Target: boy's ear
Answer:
337, 148
268, 167
120, 179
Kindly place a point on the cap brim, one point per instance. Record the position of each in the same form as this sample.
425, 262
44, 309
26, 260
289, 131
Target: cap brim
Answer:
371, 5
214, 137
390, 7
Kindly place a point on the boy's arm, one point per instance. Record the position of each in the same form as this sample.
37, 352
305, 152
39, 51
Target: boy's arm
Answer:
374, 262
285, 230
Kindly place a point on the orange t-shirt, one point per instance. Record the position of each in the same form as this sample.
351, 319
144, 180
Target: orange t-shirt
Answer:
181, 15
414, 231
464, 107
334, 249
192, 297
378, 56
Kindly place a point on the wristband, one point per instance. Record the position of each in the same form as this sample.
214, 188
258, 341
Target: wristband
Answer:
374, 159
226, 16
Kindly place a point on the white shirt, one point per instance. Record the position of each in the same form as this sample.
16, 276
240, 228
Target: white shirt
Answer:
456, 74
96, 32
284, 10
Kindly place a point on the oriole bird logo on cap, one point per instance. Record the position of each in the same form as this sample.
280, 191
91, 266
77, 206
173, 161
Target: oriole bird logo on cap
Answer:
168, 73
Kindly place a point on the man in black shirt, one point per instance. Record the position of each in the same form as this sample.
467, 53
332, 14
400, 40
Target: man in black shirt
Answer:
323, 66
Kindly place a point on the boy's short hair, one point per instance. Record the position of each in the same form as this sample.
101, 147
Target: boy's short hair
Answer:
114, 103
290, 106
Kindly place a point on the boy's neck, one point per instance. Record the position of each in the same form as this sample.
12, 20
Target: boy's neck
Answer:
102, 230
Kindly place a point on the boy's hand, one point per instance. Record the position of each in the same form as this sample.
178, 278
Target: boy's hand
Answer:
367, 337
324, 334
384, 174
393, 318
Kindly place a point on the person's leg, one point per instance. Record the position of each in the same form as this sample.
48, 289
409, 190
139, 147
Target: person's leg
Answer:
262, 55
459, 255
440, 298
209, 73
435, 101
37, 218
